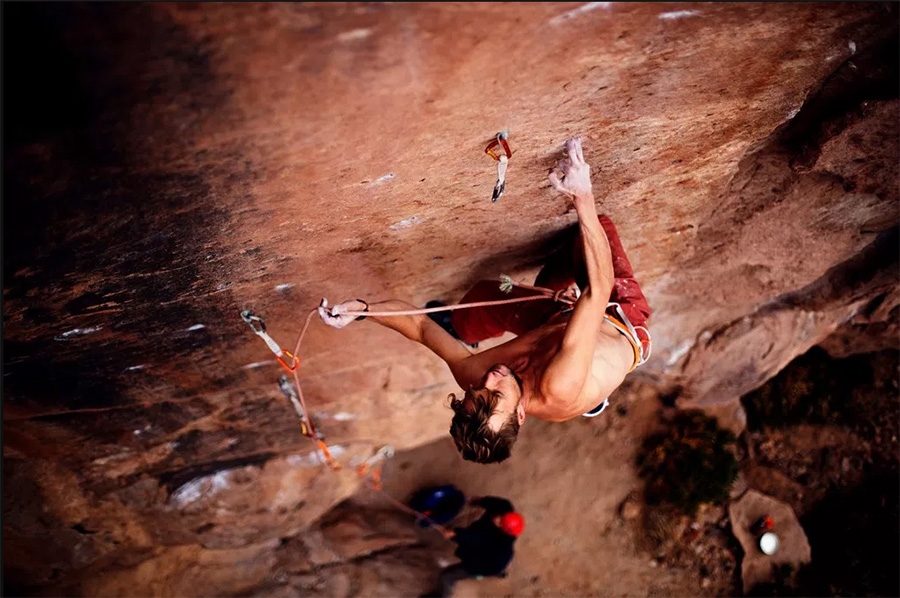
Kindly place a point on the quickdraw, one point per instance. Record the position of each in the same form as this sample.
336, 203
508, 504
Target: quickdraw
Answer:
499, 141
502, 160
259, 327
293, 391
306, 426
371, 467
621, 323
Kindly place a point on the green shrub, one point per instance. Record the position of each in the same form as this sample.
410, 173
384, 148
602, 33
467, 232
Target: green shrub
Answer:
690, 463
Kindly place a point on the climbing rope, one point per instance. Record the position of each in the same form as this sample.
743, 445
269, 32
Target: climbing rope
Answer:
371, 470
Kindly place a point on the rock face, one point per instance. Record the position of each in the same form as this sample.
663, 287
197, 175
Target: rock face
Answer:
168, 165
758, 568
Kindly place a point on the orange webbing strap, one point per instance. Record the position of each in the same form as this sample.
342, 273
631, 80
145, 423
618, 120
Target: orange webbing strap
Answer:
374, 474
330, 461
295, 361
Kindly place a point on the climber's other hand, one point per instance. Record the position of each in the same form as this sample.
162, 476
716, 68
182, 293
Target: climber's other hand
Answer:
572, 174
569, 295
337, 316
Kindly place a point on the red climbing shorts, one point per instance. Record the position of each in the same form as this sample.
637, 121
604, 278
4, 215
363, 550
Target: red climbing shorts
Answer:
563, 268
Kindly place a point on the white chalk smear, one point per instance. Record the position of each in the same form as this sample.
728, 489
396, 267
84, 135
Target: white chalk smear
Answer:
206, 486
126, 454
678, 14
343, 416
852, 46
349, 36
283, 287
134, 368
76, 332
406, 223
258, 364
679, 351
195, 327
314, 458
382, 179
584, 8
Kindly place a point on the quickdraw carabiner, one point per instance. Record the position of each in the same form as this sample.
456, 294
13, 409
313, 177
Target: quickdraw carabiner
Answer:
258, 325
499, 141
502, 161
372, 466
306, 426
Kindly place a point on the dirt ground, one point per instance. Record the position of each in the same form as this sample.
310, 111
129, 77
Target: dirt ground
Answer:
588, 532
570, 481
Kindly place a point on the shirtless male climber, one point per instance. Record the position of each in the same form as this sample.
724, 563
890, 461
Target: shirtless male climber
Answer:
564, 361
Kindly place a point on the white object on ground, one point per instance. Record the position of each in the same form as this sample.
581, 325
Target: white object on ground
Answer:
768, 543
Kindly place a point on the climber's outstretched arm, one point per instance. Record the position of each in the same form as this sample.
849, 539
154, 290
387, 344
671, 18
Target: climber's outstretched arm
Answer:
417, 327
567, 374
422, 329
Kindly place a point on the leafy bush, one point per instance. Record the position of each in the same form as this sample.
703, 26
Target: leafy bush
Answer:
690, 463
818, 389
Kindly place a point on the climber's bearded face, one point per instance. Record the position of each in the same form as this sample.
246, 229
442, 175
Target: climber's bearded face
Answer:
486, 420
503, 385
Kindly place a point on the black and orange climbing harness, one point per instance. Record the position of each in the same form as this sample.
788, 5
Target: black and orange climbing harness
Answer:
370, 469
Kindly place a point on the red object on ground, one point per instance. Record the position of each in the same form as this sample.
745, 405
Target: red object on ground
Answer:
512, 523
763, 525
562, 269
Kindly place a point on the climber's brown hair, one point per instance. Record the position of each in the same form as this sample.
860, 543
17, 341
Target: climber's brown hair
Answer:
474, 438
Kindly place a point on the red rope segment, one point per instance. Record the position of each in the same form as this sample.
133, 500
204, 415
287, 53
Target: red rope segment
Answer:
375, 484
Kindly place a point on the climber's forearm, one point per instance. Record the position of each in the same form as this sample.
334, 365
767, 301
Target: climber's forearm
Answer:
422, 329
408, 326
597, 254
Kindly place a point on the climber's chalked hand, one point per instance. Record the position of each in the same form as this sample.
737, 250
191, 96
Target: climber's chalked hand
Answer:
337, 316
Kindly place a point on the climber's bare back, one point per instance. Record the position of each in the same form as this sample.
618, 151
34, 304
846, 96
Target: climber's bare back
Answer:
528, 356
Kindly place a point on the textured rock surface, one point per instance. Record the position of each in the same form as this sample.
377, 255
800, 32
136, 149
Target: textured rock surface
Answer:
176, 163
793, 548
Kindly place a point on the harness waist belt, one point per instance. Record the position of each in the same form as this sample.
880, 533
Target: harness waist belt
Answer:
621, 323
